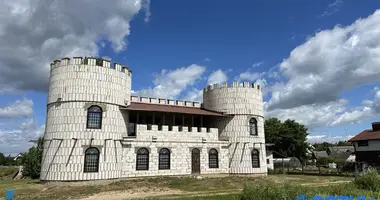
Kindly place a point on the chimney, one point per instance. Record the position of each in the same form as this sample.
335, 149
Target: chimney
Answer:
376, 126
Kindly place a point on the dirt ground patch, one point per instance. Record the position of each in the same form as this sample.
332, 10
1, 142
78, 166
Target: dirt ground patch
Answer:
149, 187
134, 193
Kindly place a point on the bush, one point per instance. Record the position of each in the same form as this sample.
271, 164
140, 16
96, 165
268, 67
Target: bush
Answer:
31, 160
7, 172
369, 181
270, 191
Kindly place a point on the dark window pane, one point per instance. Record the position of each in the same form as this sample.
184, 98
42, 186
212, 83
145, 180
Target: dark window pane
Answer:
91, 160
213, 158
164, 159
253, 126
94, 117
142, 159
255, 159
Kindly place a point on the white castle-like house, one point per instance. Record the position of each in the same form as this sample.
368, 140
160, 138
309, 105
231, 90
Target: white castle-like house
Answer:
95, 128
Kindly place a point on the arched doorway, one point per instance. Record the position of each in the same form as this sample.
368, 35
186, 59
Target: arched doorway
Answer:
195, 161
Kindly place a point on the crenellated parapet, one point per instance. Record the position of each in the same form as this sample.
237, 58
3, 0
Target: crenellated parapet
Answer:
163, 101
91, 61
234, 84
239, 98
89, 79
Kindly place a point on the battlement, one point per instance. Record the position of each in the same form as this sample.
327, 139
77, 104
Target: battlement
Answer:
162, 101
92, 61
235, 84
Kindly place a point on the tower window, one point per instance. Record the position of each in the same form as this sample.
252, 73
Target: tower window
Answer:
142, 159
255, 156
94, 117
213, 161
253, 126
91, 160
164, 159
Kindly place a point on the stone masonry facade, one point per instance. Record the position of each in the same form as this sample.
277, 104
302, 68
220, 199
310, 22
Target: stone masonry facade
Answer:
88, 134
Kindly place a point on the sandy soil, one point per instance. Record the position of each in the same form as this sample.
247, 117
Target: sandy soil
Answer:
160, 192
134, 193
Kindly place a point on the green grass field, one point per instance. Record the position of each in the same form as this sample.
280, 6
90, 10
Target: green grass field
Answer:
228, 187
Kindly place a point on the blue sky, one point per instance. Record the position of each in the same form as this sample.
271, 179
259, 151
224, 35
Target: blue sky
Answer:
318, 62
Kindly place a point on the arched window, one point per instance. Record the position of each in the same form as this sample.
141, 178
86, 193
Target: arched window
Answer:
142, 159
255, 158
164, 159
94, 117
91, 160
253, 126
213, 161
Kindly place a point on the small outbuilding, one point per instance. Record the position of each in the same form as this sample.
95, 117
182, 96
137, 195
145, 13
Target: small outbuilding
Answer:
290, 162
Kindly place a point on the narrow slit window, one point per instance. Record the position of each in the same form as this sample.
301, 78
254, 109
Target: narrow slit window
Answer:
213, 161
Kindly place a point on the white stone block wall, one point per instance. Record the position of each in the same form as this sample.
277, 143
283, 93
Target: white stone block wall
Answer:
180, 158
180, 144
270, 159
143, 134
79, 82
243, 102
74, 87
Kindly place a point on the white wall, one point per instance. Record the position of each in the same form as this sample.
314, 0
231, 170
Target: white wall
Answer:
244, 102
373, 145
270, 157
180, 144
79, 86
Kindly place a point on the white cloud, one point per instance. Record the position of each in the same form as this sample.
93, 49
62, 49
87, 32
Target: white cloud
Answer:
19, 108
217, 76
250, 76
171, 83
311, 115
194, 95
14, 141
34, 33
257, 64
331, 114
330, 62
332, 8
353, 116
327, 138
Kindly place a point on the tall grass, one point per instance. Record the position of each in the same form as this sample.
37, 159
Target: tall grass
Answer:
7, 172
368, 181
290, 192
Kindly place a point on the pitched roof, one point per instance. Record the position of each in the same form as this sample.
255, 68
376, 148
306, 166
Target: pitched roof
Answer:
366, 135
341, 149
172, 109
320, 154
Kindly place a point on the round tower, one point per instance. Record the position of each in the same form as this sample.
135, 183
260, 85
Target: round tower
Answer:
245, 129
84, 124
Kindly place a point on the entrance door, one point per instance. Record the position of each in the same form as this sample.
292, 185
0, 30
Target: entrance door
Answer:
195, 161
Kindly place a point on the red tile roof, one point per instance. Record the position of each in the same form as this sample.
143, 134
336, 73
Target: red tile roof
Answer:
366, 135
172, 109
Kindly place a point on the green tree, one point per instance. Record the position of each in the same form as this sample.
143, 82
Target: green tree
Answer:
2, 159
289, 137
31, 160
322, 146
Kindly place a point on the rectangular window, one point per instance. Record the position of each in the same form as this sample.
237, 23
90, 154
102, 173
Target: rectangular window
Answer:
363, 143
131, 129
268, 162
